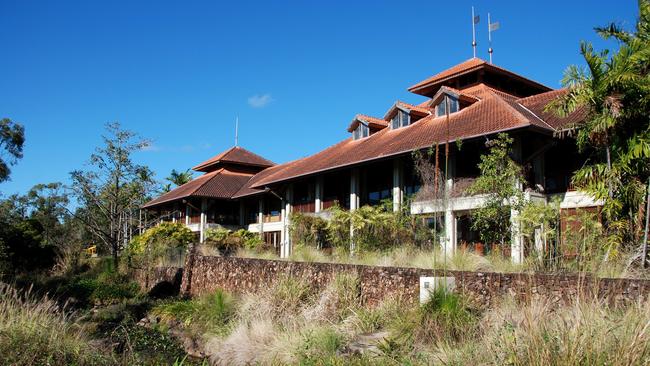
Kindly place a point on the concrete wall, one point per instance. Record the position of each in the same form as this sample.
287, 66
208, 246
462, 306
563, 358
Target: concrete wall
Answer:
246, 274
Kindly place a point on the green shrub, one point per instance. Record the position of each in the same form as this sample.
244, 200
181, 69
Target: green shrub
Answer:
228, 242
318, 344
210, 313
308, 230
446, 316
147, 250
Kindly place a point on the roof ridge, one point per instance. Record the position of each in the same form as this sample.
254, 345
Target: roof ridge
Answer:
214, 173
535, 115
503, 102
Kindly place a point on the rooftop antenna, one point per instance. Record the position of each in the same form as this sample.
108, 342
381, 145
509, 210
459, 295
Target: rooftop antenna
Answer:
475, 20
237, 131
491, 28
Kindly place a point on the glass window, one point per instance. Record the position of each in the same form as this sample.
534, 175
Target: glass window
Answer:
442, 106
401, 119
394, 123
360, 132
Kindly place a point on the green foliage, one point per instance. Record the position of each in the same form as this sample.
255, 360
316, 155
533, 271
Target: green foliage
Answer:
447, 316
145, 345
308, 230
146, 250
112, 188
212, 313
500, 180
374, 227
614, 93
228, 241
318, 344
12, 138
177, 179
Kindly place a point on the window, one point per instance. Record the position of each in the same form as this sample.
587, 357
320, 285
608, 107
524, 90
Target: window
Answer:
441, 107
361, 131
401, 119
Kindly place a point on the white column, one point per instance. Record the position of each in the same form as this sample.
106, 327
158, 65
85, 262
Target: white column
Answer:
517, 240
354, 203
318, 201
354, 189
203, 223
260, 216
285, 250
397, 185
449, 245
187, 213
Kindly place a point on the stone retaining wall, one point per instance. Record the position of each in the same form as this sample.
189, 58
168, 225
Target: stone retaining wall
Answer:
205, 274
167, 279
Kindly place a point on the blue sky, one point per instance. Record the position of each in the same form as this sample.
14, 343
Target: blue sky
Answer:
294, 72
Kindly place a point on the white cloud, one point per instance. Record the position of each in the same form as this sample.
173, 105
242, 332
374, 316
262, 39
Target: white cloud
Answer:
260, 101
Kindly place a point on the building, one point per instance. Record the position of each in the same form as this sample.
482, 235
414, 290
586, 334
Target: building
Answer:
469, 103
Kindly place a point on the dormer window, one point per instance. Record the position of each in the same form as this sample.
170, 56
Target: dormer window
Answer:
401, 119
441, 108
361, 131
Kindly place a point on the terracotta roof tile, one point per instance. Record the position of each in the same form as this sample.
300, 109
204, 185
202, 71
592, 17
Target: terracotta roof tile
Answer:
236, 155
466, 67
494, 113
463, 67
537, 104
373, 122
220, 183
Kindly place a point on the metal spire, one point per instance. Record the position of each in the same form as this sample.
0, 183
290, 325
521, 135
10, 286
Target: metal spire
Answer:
475, 20
491, 28
237, 131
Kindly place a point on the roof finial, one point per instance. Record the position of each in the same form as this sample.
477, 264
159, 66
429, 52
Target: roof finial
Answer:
475, 20
237, 131
491, 28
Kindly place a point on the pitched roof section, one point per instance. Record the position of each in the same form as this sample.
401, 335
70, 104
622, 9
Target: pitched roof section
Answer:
372, 122
461, 68
537, 105
420, 109
428, 86
495, 112
220, 183
234, 155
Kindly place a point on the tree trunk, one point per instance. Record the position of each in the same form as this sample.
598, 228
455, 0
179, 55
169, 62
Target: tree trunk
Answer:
610, 191
645, 232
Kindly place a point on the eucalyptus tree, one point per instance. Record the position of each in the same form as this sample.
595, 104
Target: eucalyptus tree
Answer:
113, 188
12, 138
614, 93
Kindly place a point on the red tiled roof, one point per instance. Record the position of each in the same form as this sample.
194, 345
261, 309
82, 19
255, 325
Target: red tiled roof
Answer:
220, 183
420, 108
248, 190
461, 68
495, 112
466, 67
235, 155
372, 122
537, 105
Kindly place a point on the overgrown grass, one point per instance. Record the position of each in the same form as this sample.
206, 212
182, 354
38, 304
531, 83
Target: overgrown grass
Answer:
209, 314
292, 323
35, 331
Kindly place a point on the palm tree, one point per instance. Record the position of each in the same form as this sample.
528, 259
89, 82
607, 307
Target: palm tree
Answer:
177, 179
614, 93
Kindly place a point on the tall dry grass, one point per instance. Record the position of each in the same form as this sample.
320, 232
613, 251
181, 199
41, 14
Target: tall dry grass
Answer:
36, 331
